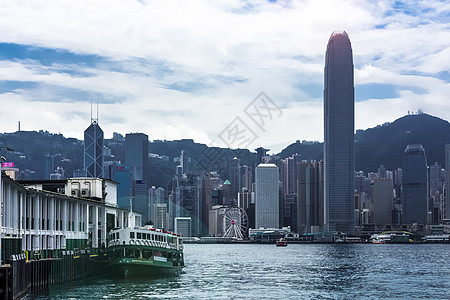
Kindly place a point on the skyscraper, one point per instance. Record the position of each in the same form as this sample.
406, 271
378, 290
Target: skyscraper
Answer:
184, 161
339, 126
136, 154
446, 204
136, 158
381, 195
260, 155
310, 196
290, 170
93, 150
267, 204
415, 185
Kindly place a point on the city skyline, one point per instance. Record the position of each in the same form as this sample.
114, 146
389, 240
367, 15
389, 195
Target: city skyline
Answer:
138, 67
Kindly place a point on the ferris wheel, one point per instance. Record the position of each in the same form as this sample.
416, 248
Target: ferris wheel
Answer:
236, 222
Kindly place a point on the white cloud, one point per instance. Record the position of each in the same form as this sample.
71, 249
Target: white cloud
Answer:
223, 53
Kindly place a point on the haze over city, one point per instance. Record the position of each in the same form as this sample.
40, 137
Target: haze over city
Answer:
187, 69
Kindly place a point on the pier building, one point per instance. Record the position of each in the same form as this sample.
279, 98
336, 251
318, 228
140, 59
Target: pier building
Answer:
42, 218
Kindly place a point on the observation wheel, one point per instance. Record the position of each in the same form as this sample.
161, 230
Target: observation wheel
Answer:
236, 223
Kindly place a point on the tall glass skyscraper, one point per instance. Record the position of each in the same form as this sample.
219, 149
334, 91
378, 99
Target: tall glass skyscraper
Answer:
339, 127
93, 150
415, 185
267, 204
136, 154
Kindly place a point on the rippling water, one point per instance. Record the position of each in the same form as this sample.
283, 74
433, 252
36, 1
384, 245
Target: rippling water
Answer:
339, 271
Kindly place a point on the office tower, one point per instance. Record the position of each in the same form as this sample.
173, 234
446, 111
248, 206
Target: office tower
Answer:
136, 154
235, 177
187, 200
216, 225
123, 177
261, 155
183, 226
289, 176
415, 185
339, 126
93, 150
289, 211
381, 173
435, 179
140, 199
246, 199
156, 206
184, 161
161, 216
246, 178
227, 193
446, 206
381, 201
48, 165
206, 202
310, 212
435, 192
267, 204
136, 158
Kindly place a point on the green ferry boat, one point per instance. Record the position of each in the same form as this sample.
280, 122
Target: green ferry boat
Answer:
144, 252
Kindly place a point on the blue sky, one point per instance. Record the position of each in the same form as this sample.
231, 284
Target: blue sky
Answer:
187, 69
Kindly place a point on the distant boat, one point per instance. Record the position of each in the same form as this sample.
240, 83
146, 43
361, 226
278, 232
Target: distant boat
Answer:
281, 242
144, 252
391, 237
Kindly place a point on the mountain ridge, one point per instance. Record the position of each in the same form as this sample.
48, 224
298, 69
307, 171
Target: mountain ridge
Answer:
383, 144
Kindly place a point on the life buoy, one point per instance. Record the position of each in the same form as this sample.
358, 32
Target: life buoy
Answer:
132, 242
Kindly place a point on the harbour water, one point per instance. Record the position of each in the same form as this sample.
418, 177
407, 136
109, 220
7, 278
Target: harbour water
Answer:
310, 271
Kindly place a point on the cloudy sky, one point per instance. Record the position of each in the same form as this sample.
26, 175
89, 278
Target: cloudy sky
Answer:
194, 69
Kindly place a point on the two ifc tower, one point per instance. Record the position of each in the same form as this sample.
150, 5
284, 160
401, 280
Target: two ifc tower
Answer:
339, 128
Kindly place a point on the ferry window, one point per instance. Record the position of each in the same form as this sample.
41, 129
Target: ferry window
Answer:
146, 254
132, 253
117, 253
153, 236
131, 235
139, 235
148, 236
117, 236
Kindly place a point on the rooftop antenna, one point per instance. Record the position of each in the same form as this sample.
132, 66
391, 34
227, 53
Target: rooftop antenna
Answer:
92, 118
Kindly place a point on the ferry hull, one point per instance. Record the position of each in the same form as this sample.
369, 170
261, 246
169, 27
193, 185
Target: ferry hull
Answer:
132, 268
